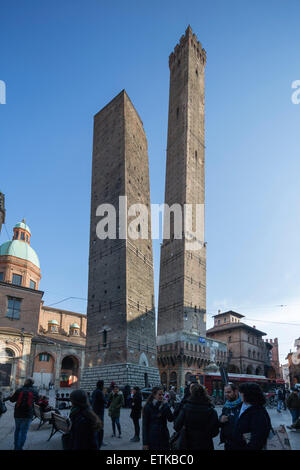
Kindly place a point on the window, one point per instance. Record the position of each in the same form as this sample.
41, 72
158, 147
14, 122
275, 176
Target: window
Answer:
44, 357
229, 339
219, 322
22, 236
13, 308
32, 284
225, 320
27, 238
104, 338
17, 279
17, 235
177, 113
1, 276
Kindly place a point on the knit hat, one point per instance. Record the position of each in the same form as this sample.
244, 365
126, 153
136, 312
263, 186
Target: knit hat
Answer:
79, 398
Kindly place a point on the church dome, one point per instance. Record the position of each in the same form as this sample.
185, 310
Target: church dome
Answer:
19, 246
19, 249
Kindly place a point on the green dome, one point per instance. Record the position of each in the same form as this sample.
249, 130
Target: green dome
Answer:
53, 322
19, 249
23, 226
74, 325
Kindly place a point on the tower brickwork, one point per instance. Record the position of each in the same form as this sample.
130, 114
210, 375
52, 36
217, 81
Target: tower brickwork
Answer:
182, 287
121, 344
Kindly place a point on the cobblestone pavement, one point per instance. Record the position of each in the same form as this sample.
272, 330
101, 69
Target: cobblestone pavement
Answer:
37, 439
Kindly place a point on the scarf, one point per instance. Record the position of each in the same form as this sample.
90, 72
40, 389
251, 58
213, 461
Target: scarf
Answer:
233, 404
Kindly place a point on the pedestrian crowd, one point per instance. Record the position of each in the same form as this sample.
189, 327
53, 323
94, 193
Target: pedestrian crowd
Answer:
244, 423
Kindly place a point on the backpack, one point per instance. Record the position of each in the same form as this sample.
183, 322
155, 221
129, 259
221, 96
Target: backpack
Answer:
25, 400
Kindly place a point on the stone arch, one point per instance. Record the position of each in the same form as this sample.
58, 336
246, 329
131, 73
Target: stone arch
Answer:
249, 369
7, 367
195, 322
233, 369
187, 377
258, 371
143, 361
164, 379
173, 379
271, 374
69, 372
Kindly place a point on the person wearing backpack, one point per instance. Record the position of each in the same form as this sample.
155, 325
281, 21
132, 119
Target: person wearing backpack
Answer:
24, 397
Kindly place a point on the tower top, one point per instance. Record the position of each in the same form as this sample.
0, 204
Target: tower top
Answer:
189, 39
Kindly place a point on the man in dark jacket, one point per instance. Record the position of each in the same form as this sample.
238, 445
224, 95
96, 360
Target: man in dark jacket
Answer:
24, 397
293, 404
98, 405
230, 411
136, 412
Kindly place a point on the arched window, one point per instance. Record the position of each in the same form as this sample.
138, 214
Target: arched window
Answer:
104, 338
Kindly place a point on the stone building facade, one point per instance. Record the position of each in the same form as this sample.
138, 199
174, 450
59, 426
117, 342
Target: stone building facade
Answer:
35, 340
121, 342
248, 352
294, 364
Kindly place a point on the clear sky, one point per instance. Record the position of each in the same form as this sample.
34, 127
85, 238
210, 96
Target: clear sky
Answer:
62, 61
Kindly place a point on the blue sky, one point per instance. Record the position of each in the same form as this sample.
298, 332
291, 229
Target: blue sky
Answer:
62, 61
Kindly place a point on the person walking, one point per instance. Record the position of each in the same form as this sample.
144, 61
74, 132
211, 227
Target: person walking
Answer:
85, 426
252, 425
293, 404
156, 413
24, 397
98, 406
116, 400
230, 412
127, 397
136, 411
279, 395
199, 420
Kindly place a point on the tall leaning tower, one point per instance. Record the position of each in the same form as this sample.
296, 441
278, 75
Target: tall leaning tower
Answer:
182, 284
121, 342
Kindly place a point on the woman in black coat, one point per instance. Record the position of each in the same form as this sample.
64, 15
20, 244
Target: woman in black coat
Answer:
252, 425
85, 423
156, 414
199, 419
136, 412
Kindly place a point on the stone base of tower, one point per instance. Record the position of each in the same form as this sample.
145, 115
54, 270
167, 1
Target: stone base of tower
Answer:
121, 374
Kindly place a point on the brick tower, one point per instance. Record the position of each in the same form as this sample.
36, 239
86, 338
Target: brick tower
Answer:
182, 285
121, 343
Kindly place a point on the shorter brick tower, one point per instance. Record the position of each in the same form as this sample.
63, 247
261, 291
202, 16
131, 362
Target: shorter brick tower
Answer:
121, 342
274, 371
